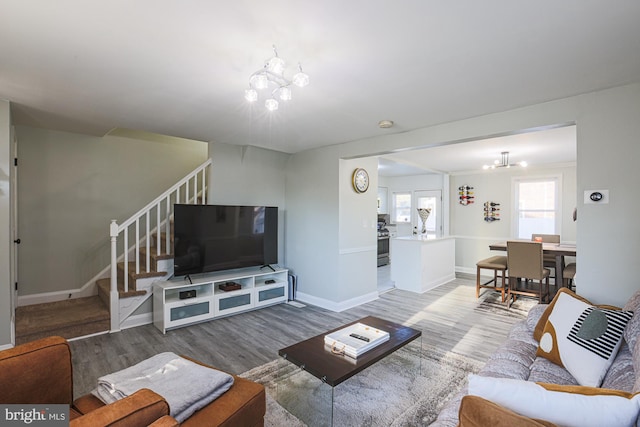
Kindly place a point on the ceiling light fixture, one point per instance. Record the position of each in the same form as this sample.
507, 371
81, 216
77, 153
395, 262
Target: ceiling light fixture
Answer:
504, 162
385, 124
272, 75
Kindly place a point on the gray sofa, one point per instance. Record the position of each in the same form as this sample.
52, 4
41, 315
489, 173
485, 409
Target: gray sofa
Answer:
516, 358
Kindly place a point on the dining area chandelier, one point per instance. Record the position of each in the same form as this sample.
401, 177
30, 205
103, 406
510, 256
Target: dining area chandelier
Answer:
503, 162
270, 79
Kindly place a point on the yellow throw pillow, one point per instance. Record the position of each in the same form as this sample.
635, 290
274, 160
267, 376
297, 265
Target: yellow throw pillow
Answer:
478, 412
582, 338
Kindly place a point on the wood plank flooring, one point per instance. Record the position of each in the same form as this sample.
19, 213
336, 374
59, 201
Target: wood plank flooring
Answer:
448, 317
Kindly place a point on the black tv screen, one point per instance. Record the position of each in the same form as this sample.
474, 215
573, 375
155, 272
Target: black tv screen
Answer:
219, 237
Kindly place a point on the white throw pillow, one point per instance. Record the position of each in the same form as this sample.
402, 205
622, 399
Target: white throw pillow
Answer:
576, 407
582, 338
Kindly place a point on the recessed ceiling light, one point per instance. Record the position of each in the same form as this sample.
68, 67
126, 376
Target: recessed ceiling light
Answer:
385, 124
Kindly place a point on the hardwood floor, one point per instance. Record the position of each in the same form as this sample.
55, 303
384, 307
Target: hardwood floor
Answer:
448, 317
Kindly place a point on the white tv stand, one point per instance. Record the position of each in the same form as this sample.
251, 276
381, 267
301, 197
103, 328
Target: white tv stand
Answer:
210, 302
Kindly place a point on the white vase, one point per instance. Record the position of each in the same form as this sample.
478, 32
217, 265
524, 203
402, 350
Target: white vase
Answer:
424, 214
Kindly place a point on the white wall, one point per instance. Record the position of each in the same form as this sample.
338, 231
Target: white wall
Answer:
607, 131
473, 234
70, 186
6, 240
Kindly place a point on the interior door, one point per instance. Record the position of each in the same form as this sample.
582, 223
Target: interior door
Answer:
429, 199
14, 234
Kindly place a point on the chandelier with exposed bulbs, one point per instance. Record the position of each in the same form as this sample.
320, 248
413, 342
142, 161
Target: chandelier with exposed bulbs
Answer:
270, 79
504, 162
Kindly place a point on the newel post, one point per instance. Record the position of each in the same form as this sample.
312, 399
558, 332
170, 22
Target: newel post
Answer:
114, 303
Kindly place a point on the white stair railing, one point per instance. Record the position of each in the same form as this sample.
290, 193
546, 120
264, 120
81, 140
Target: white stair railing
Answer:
155, 217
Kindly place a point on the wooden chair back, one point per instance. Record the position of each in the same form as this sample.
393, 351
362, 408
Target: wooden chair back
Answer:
525, 260
546, 238
549, 260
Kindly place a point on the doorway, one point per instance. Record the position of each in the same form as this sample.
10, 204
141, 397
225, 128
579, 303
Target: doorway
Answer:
428, 199
13, 283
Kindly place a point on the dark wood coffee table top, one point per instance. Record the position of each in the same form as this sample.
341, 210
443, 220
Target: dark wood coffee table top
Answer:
314, 357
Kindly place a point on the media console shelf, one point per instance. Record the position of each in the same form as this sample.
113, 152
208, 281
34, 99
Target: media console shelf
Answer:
179, 303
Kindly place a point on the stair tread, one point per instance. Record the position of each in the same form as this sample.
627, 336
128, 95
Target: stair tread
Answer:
132, 268
154, 253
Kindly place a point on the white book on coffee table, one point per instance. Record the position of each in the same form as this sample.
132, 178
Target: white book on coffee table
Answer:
355, 339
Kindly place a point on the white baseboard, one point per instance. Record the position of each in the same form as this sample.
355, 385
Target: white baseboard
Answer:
466, 270
336, 306
86, 291
439, 282
87, 336
6, 347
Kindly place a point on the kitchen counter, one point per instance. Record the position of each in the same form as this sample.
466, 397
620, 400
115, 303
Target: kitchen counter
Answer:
422, 263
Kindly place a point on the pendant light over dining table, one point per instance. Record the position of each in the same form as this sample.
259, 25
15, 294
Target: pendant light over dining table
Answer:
271, 77
504, 162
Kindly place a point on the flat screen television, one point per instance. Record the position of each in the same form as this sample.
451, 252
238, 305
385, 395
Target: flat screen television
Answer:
220, 237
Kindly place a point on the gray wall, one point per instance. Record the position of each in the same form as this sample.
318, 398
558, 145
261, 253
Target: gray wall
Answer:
309, 208
358, 239
608, 153
249, 176
607, 131
70, 186
5, 224
312, 223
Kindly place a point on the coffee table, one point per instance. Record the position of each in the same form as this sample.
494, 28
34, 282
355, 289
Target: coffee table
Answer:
314, 357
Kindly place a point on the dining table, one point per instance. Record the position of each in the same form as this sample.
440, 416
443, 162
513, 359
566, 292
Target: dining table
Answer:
558, 250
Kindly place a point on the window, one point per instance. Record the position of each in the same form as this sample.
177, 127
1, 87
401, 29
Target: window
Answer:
401, 210
537, 206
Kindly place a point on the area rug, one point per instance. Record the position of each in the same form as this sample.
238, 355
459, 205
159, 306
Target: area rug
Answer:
400, 390
492, 302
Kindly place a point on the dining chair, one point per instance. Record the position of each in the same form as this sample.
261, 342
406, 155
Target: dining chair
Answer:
525, 260
496, 264
549, 260
568, 273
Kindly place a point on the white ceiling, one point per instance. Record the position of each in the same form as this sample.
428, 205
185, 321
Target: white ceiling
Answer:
557, 146
179, 68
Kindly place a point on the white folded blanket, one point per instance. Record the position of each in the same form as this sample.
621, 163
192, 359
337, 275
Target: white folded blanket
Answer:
185, 385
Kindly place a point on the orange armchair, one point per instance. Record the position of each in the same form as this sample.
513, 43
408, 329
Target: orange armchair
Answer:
40, 372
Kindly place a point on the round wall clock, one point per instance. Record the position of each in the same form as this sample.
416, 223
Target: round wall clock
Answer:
360, 180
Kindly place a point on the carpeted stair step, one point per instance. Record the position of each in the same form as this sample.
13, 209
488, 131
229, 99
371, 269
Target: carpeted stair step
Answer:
69, 318
104, 288
154, 257
104, 285
131, 271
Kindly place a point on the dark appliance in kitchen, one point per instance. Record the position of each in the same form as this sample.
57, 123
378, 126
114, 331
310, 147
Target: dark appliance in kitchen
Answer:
383, 240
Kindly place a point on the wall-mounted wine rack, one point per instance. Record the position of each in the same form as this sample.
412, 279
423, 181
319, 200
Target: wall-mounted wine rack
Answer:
466, 195
491, 211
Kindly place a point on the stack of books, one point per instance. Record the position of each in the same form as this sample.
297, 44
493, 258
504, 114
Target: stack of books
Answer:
355, 339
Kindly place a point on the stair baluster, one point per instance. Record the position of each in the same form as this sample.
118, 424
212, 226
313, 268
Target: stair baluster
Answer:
115, 230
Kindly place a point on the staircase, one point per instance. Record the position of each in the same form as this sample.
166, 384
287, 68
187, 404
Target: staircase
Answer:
141, 253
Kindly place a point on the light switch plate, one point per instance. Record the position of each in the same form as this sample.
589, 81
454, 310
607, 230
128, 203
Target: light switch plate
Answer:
600, 197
